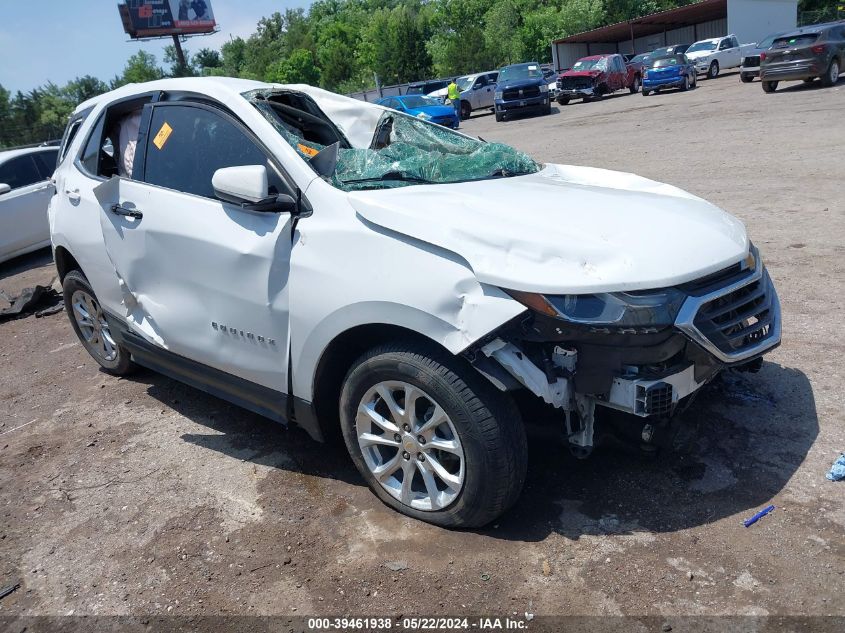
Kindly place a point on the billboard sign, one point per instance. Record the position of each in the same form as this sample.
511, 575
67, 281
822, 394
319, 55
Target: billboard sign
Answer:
157, 18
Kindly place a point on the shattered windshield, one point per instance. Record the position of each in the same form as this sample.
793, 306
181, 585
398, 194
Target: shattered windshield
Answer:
591, 64
403, 151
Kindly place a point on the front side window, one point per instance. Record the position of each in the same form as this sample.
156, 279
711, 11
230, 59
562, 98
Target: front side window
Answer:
187, 144
21, 171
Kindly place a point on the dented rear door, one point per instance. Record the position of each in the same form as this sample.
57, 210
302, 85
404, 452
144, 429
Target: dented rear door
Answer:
200, 277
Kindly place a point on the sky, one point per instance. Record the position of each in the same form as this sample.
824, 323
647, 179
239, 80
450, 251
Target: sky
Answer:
58, 40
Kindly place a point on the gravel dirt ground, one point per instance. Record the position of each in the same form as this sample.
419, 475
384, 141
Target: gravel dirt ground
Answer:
142, 496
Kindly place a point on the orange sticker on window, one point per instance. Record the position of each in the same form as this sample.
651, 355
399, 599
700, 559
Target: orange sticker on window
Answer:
162, 136
308, 151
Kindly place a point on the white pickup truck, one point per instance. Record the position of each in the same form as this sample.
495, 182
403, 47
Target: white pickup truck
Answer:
713, 55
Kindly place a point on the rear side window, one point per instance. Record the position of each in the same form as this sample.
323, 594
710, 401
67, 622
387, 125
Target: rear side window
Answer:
187, 144
21, 171
797, 40
46, 162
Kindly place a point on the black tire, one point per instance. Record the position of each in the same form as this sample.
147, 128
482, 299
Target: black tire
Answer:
486, 420
563, 101
466, 110
635, 87
646, 92
121, 364
713, 71
770, 86
685, 85
500, 117
746, 78
831, 76
547, 109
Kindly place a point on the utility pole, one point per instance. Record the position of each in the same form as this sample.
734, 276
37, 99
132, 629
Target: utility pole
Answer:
180, 54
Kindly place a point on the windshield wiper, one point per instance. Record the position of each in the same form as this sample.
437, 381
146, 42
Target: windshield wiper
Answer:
391, 175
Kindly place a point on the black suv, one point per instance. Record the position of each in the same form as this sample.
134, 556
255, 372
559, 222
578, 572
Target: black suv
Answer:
521, 87
804, 54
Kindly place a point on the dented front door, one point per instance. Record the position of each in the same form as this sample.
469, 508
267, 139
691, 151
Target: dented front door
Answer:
200, 277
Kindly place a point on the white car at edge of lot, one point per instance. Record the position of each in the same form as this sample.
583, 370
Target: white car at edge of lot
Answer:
713, 55
476, 92
274, 248
25, 192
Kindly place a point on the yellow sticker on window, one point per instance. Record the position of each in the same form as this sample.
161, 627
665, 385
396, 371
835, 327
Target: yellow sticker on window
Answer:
308, 151
162, 136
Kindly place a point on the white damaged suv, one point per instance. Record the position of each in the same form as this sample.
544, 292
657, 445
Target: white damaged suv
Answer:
339, 265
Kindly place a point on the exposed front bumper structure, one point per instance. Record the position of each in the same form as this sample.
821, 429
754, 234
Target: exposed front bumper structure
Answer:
728, 319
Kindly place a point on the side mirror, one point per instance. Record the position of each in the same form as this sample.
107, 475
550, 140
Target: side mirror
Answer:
246, 186
4, 188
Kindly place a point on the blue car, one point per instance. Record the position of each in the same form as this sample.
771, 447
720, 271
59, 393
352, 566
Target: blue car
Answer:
668, 71
422, 107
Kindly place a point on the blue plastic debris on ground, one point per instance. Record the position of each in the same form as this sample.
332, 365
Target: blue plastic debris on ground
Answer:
758, 516
837, 471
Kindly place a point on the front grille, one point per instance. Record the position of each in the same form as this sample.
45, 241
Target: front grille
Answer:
574, 83
752, 61
740, 319
521, 93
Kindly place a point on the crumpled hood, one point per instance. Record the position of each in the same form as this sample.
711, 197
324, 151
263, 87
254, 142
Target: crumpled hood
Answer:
565, 230
582, 73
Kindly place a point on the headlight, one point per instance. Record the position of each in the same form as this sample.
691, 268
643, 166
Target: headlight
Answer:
653, 308
544, 88
497, 94
424, 116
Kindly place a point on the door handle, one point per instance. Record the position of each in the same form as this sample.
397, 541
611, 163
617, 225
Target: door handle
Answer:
73, 196
126, 212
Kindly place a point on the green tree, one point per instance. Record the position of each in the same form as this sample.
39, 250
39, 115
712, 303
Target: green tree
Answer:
206, 60
140, 67
297, 68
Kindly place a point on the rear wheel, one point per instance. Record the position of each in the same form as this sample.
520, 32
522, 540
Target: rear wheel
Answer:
466, 110
431, 438
770, 86
832, 75
746, 78
563, 100
635, 87
89, 322
685, 85
713, 71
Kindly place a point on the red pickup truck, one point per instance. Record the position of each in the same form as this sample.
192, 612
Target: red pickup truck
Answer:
596, 76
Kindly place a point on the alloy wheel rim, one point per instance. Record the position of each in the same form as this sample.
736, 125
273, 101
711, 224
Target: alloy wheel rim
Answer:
93, 326
410, 445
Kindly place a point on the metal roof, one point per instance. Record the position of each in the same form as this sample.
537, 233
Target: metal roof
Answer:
688, 15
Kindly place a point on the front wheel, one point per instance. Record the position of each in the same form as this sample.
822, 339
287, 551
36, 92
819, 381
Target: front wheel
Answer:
89, 322
746, 78
713, 71
685, 85
832, 75
431, 437
563, 100
770, 86
646, 92
500, 117
466, 110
